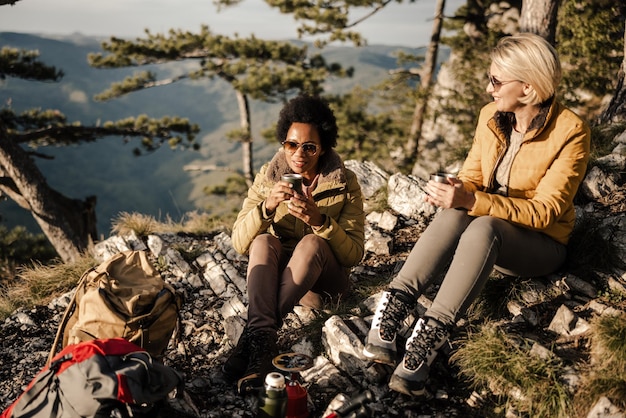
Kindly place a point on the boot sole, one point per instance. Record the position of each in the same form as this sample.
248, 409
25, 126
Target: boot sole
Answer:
249, 384
406, 387
378, 358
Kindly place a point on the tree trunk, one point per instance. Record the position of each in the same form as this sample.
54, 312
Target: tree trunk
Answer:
426, 80
69, 224
246, 137
616, 110
540, 17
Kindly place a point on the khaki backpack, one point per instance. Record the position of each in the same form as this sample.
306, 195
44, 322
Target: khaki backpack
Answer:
124, 297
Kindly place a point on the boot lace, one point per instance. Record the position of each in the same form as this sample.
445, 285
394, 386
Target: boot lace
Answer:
422, 344
392, 316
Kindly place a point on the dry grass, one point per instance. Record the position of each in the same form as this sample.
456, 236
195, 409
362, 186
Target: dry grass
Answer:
492, 303
204, 224
606, 373
39, 284
489, 358
603, 139
142, 225
531, 384
192, 223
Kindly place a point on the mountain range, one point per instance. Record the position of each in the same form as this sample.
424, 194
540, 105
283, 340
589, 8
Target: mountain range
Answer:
156, 184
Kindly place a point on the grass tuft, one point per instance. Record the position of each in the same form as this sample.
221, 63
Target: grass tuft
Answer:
493, 300
531, 384
192, 223
142, 225
39, 284
205, 224
606, 374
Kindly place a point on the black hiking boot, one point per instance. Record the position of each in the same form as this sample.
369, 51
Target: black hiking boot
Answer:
263, 349
237, 363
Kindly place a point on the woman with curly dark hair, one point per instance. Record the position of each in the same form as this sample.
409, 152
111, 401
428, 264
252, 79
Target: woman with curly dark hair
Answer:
301, 243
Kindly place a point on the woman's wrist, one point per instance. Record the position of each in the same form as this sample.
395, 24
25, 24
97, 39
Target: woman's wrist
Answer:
267, 213
321, 224
470, 201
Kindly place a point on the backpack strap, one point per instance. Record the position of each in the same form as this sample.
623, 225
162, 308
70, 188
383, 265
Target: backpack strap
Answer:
71, 307
42, 382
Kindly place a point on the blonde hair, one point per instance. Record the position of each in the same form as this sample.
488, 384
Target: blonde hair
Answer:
530, 59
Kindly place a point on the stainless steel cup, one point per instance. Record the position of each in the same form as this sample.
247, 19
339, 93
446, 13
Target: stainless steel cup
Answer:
295, 180
442, 177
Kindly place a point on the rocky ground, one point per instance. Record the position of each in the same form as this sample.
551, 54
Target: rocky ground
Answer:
211, 277
202, 345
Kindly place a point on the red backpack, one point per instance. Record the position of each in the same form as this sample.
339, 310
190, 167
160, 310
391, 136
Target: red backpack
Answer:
97, 378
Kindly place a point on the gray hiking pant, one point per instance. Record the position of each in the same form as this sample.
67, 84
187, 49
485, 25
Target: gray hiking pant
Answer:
472, 247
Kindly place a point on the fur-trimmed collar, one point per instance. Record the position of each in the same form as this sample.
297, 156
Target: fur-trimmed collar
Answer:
331, 168
506, 120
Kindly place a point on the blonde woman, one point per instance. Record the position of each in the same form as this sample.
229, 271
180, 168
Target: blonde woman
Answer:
511, 208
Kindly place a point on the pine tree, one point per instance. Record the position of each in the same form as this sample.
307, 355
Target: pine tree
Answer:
68, 223
268, 71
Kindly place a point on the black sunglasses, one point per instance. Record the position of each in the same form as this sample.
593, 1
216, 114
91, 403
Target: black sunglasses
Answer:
497, 83
291, 147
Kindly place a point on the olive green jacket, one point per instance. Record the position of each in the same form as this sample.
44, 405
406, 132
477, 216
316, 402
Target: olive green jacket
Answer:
337, 195
545, 173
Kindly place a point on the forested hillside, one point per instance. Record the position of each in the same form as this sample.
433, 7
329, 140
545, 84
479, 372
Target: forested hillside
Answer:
155, 184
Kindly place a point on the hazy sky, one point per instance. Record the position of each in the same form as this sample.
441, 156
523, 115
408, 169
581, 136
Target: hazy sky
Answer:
408, 24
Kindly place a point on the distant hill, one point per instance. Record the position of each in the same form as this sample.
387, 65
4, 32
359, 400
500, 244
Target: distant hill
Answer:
154, 184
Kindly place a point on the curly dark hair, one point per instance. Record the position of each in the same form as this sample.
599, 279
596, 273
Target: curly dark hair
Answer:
311, 110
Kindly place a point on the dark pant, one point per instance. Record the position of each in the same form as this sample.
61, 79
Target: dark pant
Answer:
472, 247
277, 281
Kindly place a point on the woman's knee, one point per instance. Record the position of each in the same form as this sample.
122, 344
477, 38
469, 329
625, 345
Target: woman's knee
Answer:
265, 241
312, 244
454, 217
484, 229
449, 222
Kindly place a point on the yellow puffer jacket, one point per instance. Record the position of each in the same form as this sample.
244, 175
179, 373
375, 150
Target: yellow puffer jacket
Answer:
337, 195
545, 173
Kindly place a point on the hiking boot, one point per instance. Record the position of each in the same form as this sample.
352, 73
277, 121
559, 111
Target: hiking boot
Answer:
393, 308
237, 363
421, 350
262, 349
